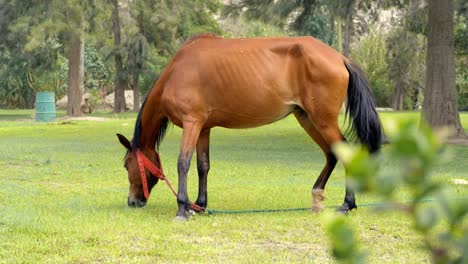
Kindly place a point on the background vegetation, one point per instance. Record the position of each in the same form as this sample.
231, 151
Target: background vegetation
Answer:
387, 37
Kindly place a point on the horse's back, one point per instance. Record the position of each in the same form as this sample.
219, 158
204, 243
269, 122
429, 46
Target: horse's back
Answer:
253, 81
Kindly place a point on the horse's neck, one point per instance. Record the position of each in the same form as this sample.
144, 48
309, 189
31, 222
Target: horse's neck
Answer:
151, 120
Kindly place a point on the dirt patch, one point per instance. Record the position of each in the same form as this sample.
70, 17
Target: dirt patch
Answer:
82, 118
460, 141
460, 181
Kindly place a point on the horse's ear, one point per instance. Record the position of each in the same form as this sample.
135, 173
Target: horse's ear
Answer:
124, 141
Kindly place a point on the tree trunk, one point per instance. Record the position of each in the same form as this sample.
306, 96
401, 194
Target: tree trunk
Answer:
82, 52
331, 20
398, 95
74, 77
136, 93
139, 66
440, 107
348, 26
349, 10
339, 34
401, 87
121, 80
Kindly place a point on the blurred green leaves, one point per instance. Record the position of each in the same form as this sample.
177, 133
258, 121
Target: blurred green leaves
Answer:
344, 243
414, 150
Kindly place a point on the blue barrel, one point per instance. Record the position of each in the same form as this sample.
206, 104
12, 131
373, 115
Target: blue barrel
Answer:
45, 107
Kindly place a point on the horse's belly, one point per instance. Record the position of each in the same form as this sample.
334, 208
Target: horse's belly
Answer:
248, 116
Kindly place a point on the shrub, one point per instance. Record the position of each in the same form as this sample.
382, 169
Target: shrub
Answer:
415, 150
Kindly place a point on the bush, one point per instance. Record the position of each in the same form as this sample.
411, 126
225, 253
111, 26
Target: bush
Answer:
414, 151
370, 53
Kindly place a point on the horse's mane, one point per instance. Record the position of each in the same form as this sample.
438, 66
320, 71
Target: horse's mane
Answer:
136, 142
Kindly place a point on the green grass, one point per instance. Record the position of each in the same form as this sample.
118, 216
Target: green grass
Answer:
63, 198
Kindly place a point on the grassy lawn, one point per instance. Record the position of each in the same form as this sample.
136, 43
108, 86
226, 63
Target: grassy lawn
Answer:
64, 189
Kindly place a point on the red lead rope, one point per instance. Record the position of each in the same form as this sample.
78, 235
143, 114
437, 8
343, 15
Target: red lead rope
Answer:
144, 162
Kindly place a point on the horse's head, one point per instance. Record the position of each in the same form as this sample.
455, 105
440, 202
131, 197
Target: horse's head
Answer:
136, 195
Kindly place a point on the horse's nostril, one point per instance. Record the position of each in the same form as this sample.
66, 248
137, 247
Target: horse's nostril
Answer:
131, 202
135, 202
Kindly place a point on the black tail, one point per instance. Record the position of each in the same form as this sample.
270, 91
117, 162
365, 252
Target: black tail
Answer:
365, 123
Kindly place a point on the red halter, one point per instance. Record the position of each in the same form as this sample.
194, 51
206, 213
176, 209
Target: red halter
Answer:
145, 163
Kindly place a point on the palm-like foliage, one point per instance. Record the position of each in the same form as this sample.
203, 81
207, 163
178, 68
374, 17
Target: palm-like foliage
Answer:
304, 17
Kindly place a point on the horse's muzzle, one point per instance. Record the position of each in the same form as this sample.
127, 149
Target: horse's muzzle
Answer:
133, 202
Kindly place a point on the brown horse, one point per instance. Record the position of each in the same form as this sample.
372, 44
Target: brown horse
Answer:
244, 83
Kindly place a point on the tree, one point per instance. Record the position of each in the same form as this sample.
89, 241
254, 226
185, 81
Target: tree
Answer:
41, 21
29, 54
349, 11
461, 50
370, 53
147, 33
313, 18
139, 37
154, 32
440, 104
402, 59
76, 69
121, 78
303, 17
137, 52
67, 19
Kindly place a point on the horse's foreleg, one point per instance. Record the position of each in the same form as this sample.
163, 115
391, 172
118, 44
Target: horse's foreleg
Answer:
203, 166
189, 139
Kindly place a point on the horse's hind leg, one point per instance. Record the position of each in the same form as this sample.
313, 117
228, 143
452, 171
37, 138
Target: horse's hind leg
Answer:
191, 131
325, 139
331, 134
349, 201
203, 166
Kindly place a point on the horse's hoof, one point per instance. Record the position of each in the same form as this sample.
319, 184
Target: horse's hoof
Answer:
318, 196
345, 209
201, 204
180, 219
317, 208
